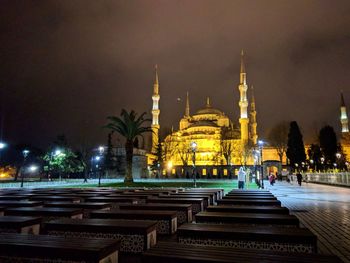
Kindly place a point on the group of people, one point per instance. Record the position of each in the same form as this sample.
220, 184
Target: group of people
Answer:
242, 175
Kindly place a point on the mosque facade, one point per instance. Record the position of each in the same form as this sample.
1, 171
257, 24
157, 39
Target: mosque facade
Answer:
208, 137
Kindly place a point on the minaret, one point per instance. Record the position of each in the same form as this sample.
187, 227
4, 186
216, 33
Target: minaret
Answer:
155, 112
343, 116
243, 102
187, 109
253, 123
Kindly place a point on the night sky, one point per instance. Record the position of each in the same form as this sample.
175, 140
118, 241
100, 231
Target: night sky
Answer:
66, 65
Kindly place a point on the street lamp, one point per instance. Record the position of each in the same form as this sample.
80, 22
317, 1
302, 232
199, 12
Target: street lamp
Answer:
194, 149
25, 153
2, 146
261, 144
322, 162
98, 158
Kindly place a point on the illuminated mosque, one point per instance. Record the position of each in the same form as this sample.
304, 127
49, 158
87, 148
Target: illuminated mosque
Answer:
220, 143
218, 140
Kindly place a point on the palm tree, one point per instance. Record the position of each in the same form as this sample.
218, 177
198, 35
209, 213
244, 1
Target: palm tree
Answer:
130, 126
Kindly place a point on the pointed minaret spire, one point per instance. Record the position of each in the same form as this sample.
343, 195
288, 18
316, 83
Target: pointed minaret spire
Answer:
156, 81
253, 122
343, 116
208, 103
242, 72
342, 99
187, 110
155, 112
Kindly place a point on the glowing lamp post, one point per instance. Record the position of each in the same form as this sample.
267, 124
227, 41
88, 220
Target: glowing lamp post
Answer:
194, 149
322, 162
98, 158
25, 153
2, 146
261, 144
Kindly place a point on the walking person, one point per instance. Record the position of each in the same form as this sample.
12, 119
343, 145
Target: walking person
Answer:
299, 178
241, 178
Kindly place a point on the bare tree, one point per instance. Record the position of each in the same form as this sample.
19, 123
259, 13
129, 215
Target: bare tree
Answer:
226, 145
245, 152
278, 138
184, 152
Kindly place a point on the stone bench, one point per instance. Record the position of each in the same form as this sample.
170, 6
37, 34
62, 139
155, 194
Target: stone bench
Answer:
87, 207
247, 219
183, 211
248, 209
20, 224
166, 220
20, 203
248, 197
219, 193
135, 236
238, 191
53, 249
45, 198
205, 198
13, 197
171, 252
210, 196
141, 197
197, 203
249, 194
47, 213
299, 240
114, 201
249, 202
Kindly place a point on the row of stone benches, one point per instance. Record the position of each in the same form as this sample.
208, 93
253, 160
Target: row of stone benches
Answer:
134, 235
245, 227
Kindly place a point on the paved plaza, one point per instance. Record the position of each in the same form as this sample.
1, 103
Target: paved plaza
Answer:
325, 210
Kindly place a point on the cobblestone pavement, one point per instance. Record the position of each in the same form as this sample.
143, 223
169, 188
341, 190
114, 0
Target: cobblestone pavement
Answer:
325, 210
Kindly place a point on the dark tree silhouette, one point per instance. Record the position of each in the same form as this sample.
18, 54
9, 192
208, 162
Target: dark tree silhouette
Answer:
328, 144
314, 154
295, 146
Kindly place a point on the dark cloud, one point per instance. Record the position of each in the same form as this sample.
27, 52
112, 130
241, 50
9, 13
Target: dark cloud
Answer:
66, 65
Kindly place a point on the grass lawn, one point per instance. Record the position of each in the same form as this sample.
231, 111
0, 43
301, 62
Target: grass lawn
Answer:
226, 185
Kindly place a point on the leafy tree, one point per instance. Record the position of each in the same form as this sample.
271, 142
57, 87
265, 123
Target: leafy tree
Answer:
295, 146
278, 138
63, 161
130, 126
328, 144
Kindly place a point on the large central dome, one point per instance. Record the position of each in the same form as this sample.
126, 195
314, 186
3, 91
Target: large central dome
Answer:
209, 110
